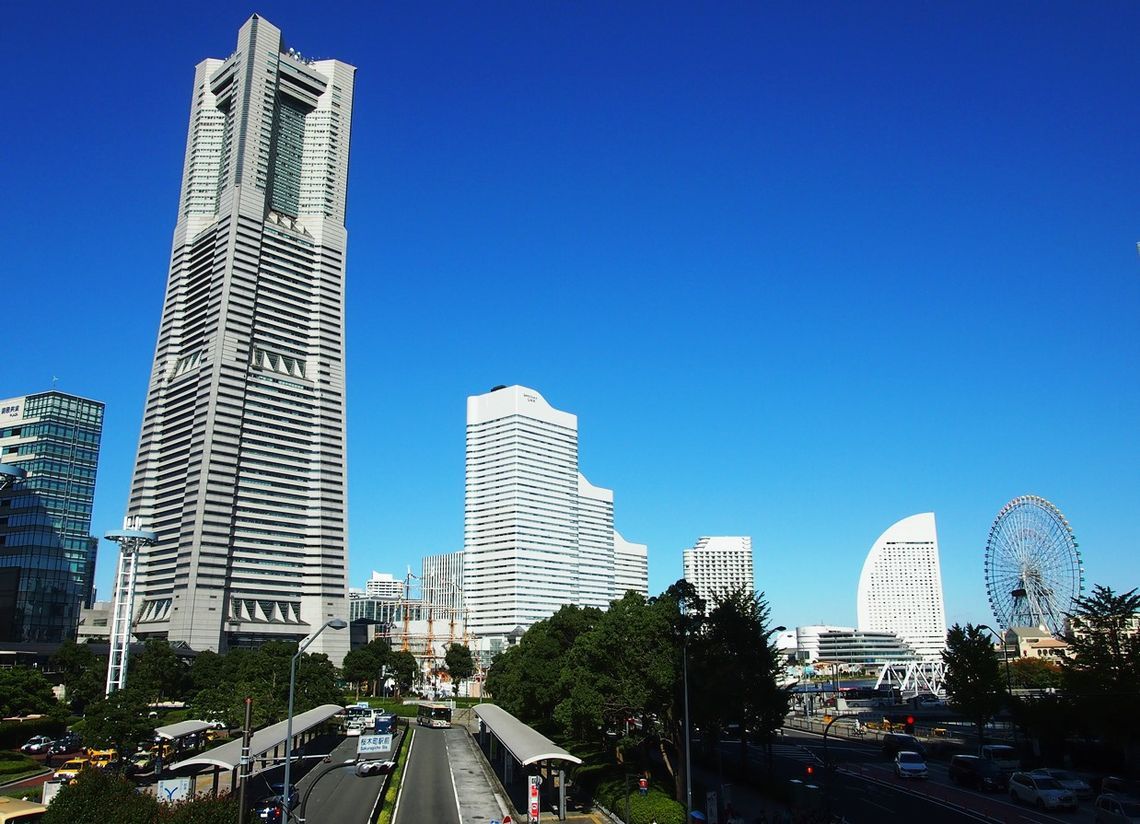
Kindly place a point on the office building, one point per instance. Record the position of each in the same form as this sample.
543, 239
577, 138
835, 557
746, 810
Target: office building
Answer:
718, 566
900, 588
383, 585
807, 640
241, 460
47, 553
862, 648
441, 578
537, 534
631, 567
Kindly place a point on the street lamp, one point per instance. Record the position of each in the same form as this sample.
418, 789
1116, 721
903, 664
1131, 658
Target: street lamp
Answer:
1004, 654
335, 623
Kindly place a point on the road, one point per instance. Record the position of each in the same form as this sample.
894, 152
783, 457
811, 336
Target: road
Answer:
340, 794
427, 792
864, 787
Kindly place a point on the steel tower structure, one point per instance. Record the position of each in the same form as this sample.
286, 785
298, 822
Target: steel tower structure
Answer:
131, 539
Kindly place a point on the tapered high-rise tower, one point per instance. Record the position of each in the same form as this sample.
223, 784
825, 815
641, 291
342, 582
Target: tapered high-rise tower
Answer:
241, 461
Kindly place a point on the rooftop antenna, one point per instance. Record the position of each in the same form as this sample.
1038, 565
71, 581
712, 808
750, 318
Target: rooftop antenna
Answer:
131, 539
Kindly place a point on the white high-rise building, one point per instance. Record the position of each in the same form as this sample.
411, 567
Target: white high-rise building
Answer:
537, 534
631, 567
241, 459
383, 585
716, 566
900, 589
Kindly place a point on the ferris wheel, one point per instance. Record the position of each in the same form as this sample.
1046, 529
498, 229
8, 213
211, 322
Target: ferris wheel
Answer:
1033, 565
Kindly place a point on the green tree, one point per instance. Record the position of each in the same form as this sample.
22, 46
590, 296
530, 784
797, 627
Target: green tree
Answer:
208, 669
25, 691
460, 664
158, 672
99, 797
403, 667
974, 683
1103, 672
202, 809
83, 673
740, 670
120, 721
366, 663
526, 680
1035, 673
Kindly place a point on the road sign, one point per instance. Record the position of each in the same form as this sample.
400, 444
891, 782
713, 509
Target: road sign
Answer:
173, 789
373, 744
532, 804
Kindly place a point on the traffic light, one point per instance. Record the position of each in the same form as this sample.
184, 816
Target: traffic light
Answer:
809, 771
910, 725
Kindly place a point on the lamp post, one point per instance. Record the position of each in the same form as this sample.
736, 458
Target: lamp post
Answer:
1004, 654
335, 623
688, 734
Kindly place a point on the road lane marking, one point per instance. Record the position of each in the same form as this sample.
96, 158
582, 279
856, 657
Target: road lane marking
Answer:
404, 775
451, 773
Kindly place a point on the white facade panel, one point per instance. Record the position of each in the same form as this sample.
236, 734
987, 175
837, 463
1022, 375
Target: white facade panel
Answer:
900, 588
718, 565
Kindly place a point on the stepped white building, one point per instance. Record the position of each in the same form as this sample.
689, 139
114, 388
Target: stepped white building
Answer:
241, 459
716, 566
900, 588
537, 534
631, 567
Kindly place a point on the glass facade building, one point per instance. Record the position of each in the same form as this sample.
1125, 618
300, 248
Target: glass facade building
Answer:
47, 554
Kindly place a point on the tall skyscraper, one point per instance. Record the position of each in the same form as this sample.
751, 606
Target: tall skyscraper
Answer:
900, 588
47, 554
241, 460
719, 565
537, 534
631, 567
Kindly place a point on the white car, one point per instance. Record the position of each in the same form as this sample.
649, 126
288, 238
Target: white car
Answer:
1069, 780
909, 764
1041, 791
375, 767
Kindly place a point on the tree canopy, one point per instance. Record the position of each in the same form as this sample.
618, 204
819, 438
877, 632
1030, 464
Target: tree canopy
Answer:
975, 686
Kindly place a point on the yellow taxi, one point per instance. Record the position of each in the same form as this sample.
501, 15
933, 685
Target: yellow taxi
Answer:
71, 768
102, 759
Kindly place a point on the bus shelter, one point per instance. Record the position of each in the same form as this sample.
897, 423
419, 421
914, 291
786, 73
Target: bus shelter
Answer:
517, 751
267, 744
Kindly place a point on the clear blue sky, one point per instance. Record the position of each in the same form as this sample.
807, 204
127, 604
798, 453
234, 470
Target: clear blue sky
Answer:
800, 269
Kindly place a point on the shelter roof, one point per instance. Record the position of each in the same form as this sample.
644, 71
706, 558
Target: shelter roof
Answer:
182, 728
228, 755
526, 744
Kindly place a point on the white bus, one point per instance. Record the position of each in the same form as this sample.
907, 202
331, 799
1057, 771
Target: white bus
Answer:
434, 715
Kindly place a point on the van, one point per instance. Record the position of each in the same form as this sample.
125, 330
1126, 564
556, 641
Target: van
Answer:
1002, 756
15, 811
974, 771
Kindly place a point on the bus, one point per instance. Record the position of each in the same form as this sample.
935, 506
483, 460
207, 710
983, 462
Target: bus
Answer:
434, 715
359, 717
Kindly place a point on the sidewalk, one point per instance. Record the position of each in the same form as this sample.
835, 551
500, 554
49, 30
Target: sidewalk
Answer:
747, 802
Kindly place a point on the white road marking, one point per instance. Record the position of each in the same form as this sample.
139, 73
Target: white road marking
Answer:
458, 811
400, 791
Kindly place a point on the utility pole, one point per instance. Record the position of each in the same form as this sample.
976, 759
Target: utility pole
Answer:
246, 761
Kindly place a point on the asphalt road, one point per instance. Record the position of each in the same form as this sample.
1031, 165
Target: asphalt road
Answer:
864, 787
338, 793
427, 793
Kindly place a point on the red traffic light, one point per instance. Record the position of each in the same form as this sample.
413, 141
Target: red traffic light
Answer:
810, 770
910, 719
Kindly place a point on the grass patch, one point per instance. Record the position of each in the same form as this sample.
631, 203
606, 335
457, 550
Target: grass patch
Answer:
384, 816
26, 793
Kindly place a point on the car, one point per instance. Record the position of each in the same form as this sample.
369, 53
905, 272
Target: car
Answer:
1002, 756
909, 764
1117, 809
140, 764
1120, 786
375, 767
269, 808
18, 811
973, 771
104, 759
66, 744
36, 745
71, 768
1069, 780
1041, 791
894, 743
